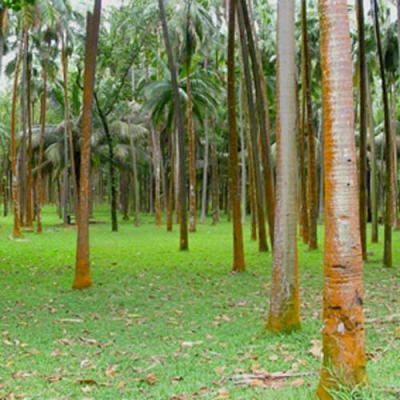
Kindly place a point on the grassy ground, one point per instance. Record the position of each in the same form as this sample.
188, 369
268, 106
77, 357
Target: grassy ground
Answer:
164, 324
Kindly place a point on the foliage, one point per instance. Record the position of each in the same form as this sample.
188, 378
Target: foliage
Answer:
16, 5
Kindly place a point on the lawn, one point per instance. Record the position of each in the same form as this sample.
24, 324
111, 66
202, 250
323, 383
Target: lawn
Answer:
163, 324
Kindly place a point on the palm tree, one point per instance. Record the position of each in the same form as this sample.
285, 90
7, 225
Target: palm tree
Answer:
343, 321
183, 241
82, 267
238, 252
284, 314
387, 256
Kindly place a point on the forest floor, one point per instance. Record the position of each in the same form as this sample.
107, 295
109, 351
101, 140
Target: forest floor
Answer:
160, 324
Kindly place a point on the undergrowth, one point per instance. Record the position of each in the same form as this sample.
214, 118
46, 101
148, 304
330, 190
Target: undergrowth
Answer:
163, 324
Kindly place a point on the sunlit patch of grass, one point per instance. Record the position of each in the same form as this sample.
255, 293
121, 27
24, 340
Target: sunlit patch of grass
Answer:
159, 323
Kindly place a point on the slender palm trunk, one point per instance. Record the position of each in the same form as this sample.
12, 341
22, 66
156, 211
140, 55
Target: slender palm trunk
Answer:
204, 199
262, 236
387, 256
374, 176
363, 128
40, 190
284, 314
82, 266
13, 140
155, 140
263, 115
312, 190
135, 182
343, 322
183, 240
29, 174
238, 251
192, 152
304, 233
64, 62
23, 147
215, 181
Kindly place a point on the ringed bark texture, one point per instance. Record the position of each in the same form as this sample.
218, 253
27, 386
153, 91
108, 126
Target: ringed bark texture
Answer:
284, 314
343, 333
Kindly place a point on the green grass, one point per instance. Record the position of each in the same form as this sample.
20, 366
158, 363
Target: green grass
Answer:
163, 324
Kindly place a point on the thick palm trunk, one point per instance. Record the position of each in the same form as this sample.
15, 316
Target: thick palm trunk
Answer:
387, 256
238, 251
13, 140
183, 240
343, 322
363, 128
312, 190
82, 266
284, 313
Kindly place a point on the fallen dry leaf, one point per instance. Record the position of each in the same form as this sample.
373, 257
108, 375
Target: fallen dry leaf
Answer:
68, 321
316, 349
151, 379
86, 381
223, 393
297, 382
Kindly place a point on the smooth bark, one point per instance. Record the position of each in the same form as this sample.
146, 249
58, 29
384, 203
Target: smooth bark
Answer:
284, 313
343, 335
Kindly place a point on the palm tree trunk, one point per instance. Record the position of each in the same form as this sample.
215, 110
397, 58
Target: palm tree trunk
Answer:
363, 128
387, 256
13, 140
204, 197
69, 141
284, 314
23, 147
312, 190
374, 176
40, 191
343, 322
238, 251
215, 181
155, 141
192, 152
183, 240
304, 233
82, 266
263, 114
135, 181
262, 237
242, 154
29, 174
